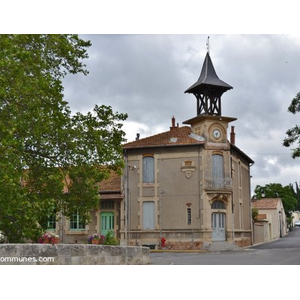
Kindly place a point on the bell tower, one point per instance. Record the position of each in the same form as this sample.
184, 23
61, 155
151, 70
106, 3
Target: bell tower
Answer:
216, 177
208, 90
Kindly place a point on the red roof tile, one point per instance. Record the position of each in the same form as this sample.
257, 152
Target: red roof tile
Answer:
113, 183
266, 203
174, 137
110, 189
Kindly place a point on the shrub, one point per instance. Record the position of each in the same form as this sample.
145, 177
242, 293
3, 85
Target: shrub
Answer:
110, 239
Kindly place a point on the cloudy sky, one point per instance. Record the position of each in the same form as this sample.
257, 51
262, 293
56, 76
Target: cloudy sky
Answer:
146, 76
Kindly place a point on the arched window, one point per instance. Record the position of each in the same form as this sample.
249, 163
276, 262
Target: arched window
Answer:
148, 169
218, 204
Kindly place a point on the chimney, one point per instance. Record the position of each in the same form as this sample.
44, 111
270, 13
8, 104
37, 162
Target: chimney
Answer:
173, 124
137, 137
173, 121
232, 136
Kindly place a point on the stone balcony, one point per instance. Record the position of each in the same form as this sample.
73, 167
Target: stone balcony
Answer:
218, 184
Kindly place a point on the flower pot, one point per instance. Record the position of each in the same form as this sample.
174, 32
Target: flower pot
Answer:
95, 242
55, 241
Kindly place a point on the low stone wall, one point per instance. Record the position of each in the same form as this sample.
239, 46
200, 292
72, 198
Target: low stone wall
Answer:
72, 254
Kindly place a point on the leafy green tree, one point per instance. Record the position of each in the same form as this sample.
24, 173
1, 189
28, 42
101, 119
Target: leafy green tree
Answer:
44, 149
297, 195
276, 190
293, 134
255, 213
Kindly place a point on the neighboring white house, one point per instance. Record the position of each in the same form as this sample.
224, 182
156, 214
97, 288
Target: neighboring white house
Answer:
271, 222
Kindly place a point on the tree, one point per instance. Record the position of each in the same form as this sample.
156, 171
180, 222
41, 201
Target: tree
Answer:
44, 149
293, 134
297, 196
276, 190
255, 214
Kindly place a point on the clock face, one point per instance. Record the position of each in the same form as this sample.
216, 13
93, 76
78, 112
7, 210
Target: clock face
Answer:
216, 133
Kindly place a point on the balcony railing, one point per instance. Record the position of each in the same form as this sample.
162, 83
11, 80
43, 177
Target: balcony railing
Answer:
218, 184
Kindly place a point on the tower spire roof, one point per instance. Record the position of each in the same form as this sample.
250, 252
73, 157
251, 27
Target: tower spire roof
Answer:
208, 80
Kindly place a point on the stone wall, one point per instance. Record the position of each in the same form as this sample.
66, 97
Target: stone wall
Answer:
72, 254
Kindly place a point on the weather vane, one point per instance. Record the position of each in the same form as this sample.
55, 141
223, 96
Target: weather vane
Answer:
207, 44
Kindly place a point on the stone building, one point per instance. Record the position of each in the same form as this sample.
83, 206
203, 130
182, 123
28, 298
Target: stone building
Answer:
105, 218
189, 187
271, 221
185, 188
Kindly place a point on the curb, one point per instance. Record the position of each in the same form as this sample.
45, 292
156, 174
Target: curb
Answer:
179, 251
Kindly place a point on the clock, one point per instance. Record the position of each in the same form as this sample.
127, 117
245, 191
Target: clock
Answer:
216, 133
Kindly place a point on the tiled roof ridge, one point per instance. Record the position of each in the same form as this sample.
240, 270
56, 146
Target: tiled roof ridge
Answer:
175, 136
266, 203
161, 133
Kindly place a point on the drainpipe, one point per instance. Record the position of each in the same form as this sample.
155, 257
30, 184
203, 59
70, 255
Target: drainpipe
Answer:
61, 230
250, 204
199, 176
232, 204
126, 189
160, 215
233, 234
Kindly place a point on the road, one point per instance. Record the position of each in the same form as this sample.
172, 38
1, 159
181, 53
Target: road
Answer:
284, 251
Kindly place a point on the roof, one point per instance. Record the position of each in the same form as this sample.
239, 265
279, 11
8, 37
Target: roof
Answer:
266, 203
208, 78
113, 183
111, 188
176, 136
243, 154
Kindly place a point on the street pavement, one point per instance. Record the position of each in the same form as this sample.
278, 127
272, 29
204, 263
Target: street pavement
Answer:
284, 251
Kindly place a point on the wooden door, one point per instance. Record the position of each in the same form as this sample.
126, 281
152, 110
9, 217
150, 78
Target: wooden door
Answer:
107, 222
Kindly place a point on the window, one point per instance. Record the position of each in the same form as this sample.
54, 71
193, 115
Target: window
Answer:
240, 174
189, 216
218, 170
148, 169
51, 222
218, 204
76, 222
148, 215
107, 204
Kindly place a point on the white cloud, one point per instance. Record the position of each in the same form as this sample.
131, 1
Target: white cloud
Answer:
146, 76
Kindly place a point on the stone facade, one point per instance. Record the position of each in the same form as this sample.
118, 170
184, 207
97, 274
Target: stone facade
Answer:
183, 192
